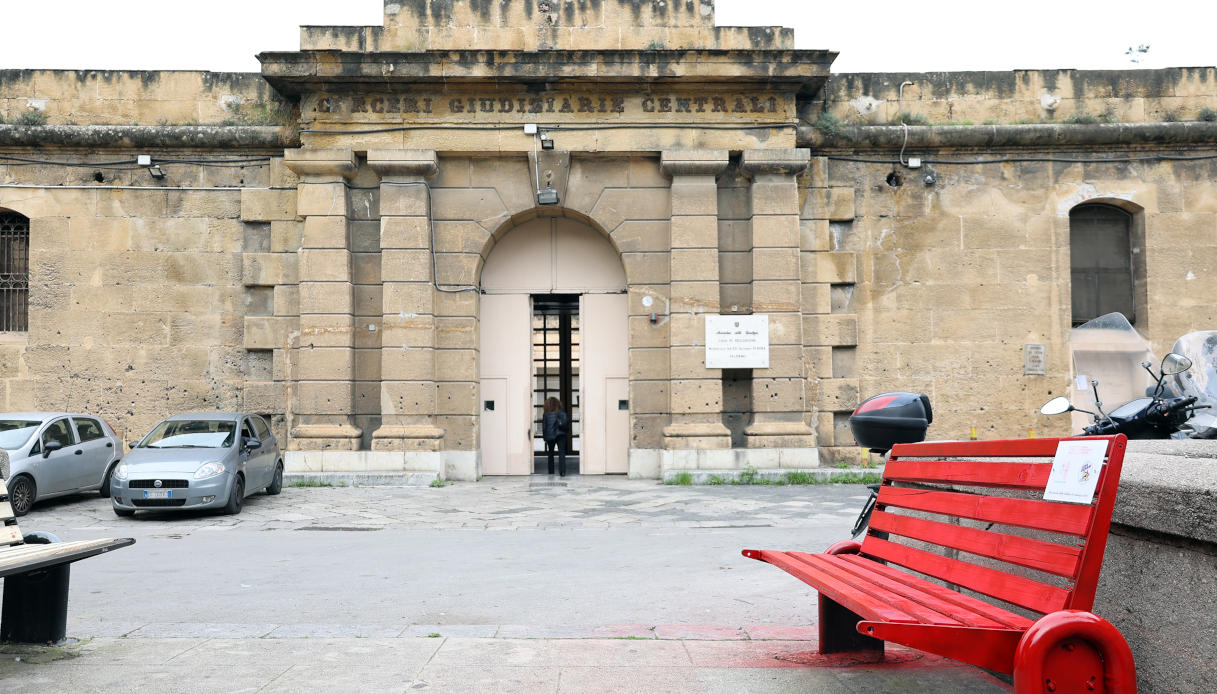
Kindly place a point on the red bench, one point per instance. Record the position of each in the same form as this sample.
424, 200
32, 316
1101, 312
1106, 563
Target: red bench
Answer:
946, 521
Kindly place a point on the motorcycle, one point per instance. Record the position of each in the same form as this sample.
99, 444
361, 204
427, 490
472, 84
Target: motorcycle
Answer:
1200, 381
1109, 346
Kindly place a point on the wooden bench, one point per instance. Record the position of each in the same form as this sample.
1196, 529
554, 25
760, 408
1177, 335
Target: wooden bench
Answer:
36, 575
971, 515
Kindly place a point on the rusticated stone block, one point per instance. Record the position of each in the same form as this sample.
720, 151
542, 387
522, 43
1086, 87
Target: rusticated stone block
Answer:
268, 269
268, 204
830, 329
837, 395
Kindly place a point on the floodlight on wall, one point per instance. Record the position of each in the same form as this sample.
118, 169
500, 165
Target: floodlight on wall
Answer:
547, 196
546, 142
145, 160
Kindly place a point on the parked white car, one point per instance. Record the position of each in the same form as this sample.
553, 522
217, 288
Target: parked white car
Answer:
56, 453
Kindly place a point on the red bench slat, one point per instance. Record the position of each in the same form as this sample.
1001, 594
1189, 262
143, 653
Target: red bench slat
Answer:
857, 601
1008, 448
864, 581
1016, 590
961, 601
934, 601
1051, 557
1053, 516
981, 474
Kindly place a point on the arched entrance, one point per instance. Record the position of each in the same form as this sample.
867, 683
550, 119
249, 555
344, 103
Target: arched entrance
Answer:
553, 322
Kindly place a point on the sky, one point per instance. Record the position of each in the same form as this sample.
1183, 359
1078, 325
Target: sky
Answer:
870, 36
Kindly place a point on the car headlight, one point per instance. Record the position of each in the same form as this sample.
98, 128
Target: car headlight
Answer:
209, 470
120, 472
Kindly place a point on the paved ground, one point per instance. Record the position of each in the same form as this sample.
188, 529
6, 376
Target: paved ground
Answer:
524, 584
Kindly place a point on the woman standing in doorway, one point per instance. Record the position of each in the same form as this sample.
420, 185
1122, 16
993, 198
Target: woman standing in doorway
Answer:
553, 430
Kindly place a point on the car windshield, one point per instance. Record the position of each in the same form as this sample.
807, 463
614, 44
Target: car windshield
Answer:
191, 433
15, 432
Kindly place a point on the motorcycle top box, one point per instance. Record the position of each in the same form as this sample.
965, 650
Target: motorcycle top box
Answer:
885, 420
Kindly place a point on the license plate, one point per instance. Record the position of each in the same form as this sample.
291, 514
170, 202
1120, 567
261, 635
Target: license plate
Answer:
158, 493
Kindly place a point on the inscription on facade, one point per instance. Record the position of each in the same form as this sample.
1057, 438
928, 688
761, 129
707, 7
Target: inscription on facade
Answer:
766, 105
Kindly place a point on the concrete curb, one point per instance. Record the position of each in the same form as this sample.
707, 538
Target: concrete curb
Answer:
359, 479
853, 475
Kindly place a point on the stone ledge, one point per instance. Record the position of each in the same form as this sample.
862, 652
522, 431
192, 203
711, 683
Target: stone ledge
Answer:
1169, 487
246, 137
929, 137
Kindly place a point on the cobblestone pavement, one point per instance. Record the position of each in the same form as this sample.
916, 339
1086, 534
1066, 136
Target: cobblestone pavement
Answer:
493, 504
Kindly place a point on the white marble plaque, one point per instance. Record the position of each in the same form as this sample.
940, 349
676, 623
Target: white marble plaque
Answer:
737, 342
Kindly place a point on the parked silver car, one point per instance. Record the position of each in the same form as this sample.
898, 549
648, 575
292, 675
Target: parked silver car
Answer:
202, 460
56, 453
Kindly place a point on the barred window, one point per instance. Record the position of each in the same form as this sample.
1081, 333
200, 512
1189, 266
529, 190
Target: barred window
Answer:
1101, 262
14, 272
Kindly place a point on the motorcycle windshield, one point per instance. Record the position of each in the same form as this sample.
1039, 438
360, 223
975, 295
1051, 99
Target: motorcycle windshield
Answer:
1108, 350
1200, 381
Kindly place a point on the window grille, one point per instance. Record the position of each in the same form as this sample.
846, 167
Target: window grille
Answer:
1101, 262
14, 272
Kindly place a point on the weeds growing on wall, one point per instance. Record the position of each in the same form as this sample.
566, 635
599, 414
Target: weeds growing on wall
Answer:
1207, 115
32, 118
259, 114
829, 125
910, 119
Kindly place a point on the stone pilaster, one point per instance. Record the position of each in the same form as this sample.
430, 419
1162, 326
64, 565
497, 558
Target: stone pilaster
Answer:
695, 392
407, 347
323, 359
779, 393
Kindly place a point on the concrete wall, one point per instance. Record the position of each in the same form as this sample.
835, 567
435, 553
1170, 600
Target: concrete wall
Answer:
1158, 585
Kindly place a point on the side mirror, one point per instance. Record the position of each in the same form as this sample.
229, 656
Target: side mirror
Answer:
132, 444
1057, 405
252, 444
50, 447
1175, 364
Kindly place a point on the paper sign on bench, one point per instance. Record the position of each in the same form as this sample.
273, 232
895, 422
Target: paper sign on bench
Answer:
1075, 471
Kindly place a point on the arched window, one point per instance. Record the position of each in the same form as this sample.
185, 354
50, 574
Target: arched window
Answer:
1101, 262
14, 272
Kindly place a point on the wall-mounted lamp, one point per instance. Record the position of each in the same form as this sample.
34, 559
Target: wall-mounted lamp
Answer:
547, 196
546, 142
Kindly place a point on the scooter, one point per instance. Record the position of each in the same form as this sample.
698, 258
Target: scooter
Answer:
1102, 345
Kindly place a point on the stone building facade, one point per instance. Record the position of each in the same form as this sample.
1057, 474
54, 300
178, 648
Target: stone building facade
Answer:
398, 240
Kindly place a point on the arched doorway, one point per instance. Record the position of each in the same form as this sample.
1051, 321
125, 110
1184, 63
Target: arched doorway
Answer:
553, 322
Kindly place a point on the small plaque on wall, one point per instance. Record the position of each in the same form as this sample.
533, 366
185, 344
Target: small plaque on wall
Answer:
737, 342
1035, 360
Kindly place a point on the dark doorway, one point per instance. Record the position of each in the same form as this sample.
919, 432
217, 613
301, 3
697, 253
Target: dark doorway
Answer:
555, 367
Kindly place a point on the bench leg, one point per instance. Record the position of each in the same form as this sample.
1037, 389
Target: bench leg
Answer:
35, 606
839, 630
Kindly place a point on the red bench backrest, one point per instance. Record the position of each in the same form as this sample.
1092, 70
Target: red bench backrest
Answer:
1074, 551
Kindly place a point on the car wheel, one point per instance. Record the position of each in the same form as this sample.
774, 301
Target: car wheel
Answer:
276, 483
21, 494
124, 512
236, 498
104, 491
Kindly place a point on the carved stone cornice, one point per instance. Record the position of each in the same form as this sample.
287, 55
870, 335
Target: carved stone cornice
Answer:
775, 161
403, 162
694, 162
322, 163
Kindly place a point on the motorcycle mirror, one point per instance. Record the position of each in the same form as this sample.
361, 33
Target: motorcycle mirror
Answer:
1175, 364
1057, 405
